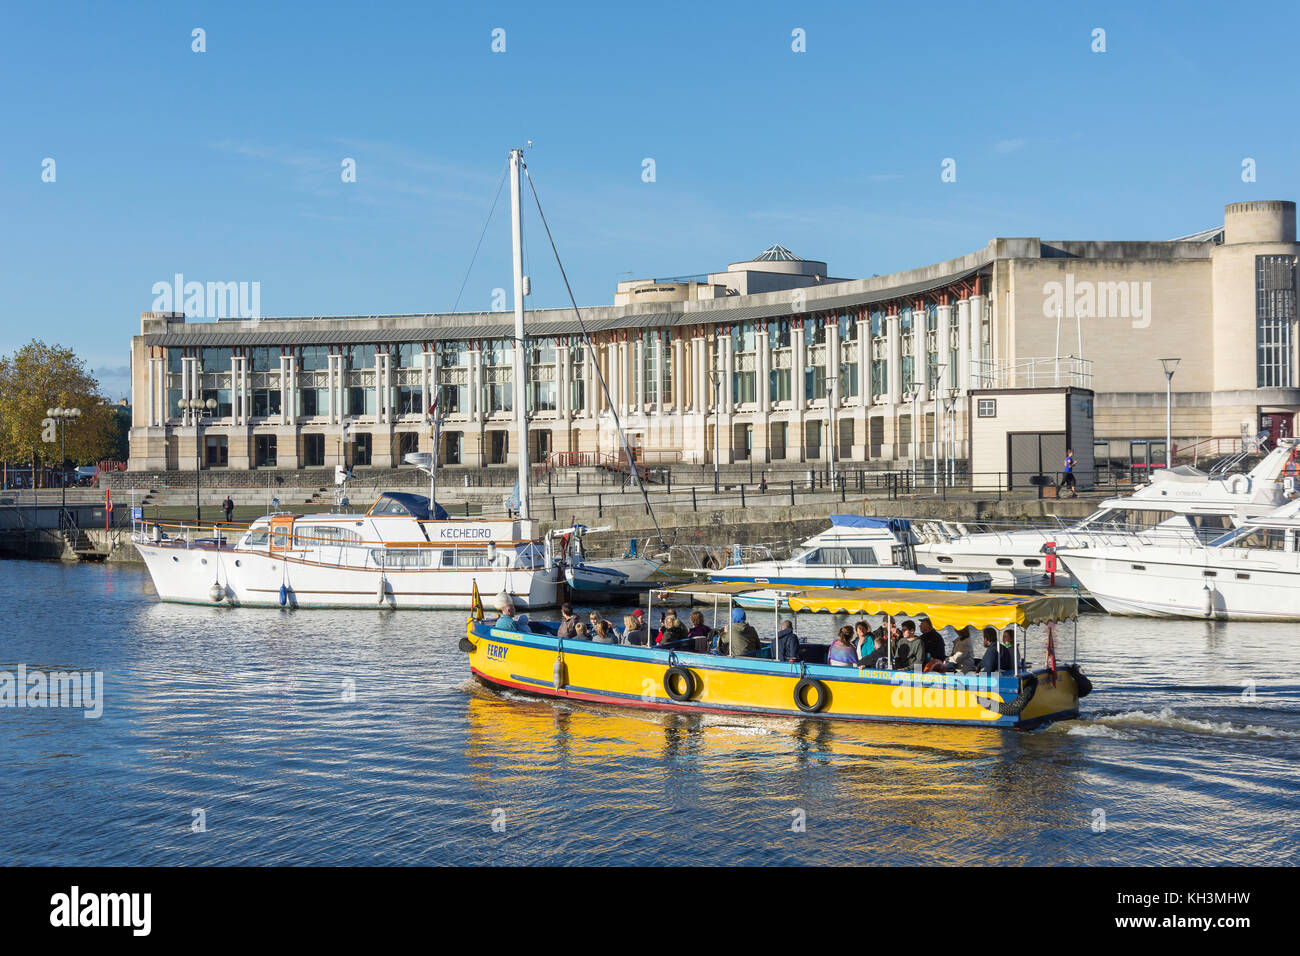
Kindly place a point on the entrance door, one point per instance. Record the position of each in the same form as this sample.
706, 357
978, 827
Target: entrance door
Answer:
1034, 458
282, 532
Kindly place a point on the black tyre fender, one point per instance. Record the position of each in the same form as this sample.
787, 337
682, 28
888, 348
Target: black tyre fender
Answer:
688, 682
816, 705
1013, 707
1080, 679
466, 645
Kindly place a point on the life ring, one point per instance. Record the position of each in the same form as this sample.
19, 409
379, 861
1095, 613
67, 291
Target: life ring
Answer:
1080, 680
1020, 702
801, 698
1238, 484
688, 683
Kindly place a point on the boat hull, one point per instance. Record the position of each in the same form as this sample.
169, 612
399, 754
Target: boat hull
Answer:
188, 575
627, 676
1190, 583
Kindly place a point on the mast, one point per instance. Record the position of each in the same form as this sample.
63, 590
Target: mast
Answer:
520, 386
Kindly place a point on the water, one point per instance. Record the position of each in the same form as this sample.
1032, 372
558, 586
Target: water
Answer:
242, 714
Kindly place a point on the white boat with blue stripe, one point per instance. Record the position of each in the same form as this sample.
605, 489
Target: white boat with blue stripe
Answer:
854, 552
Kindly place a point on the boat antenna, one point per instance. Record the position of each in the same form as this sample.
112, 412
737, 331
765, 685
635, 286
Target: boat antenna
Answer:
591, 357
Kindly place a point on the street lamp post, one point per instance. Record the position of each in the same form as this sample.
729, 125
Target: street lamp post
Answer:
1170, 365
915, 393
830, 431
716, 376
62, 416
197, 409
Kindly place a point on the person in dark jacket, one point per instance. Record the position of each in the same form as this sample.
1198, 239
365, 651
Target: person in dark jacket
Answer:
671, 629
935, 648
909, 655
993, 660
740, 637
787, 642
634, 631
228, 506
568, 622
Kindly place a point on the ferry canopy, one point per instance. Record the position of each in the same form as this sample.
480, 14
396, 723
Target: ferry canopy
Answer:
944, 609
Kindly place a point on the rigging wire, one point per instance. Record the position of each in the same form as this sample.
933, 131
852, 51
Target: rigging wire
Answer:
478, 245
591, 357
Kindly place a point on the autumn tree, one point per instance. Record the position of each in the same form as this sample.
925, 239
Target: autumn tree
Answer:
38, 377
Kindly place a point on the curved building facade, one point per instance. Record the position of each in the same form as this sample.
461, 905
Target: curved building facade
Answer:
882, 367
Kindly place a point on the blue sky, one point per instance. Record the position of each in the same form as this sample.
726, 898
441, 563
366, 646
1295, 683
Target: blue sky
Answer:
225, 165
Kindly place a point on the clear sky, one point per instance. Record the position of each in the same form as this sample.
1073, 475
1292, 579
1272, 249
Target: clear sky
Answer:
226, 165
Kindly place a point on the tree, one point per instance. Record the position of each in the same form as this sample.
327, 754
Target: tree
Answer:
38, 377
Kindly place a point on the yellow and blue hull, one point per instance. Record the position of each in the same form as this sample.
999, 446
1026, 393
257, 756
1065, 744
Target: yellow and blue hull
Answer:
627, 676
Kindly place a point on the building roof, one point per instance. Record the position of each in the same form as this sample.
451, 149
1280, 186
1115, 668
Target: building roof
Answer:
429, 327
1213, 234
776, 253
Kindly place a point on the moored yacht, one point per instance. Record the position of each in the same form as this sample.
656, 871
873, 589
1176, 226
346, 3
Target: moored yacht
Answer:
1179, 505
397, 555
1250, 573
854, 552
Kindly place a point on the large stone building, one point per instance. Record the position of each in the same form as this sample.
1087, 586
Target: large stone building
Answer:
768, 359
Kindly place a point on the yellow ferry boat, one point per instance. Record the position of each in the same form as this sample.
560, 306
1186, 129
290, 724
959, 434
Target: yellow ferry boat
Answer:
693, 678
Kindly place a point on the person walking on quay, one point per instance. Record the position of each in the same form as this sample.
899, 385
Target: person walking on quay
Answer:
1067, 475
228, 506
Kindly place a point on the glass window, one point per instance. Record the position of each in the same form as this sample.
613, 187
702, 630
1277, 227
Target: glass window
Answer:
452, 354
313, 402
987, 408
1275, 313
743, 385
216, 360
266, 402
542, 398
408, 400
814, 382
260, 359
323, 535
222, 397
174, 360
452, 398
778, 334
402, 557
313, 357
779, 385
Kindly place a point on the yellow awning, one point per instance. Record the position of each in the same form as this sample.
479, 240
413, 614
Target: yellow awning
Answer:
943, 608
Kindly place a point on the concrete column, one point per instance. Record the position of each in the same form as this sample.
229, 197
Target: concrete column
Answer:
800, 350
475, 370
976, 329
963, 344
426, 368
864, 364
678, 380
152, 372
637, 349
728, 374
920, 355
894, 364
589, 380
833, 363
763, 374
946, 377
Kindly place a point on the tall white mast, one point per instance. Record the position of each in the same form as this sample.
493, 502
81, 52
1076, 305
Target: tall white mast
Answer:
520, 386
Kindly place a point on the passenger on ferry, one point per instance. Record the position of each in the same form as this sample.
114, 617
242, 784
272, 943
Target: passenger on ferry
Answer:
605, 633
593, 619
506, 621
994, 660
580, 632
740, 637
633, 630
933, 641
671, 629
909, 655
962, 658
568, 621
879, 658
698, 627
1008, 647
866, 643
787, 642
842, 652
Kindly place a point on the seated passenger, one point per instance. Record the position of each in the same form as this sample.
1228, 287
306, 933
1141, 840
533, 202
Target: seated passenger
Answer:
633, 630
993, 661
506, 620
605, 633
740, 637
1007, 649
962, 658
863, 639
910, 654
671, 629
580, 632
568, 621
594, 619
843, 652
879, 658
787, 642
698, 627
933, 641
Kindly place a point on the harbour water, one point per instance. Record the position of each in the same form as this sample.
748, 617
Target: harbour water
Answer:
235, 736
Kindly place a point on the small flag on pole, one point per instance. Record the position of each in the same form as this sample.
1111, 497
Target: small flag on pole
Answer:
476, 603
1051, 649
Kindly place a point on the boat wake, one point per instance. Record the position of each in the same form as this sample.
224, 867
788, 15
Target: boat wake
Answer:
1115, 725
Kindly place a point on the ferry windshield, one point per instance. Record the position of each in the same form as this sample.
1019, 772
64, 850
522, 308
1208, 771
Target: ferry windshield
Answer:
836, 557
1262, 539
1124, 519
